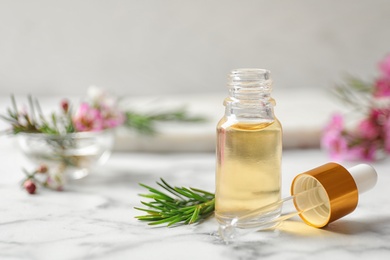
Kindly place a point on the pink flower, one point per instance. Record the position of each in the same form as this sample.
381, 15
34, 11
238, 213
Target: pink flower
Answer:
332, 139
380, 115
334, 128
112, 116
371, 136
114, 122
343, 145
99, 118
382, 84
336, 146
384, 66
364, 151
336, 123
369, 129
386, 130
88, 119
382, 87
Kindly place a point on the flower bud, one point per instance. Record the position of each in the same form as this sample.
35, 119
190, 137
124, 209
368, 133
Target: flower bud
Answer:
30, 186
65, 105
42, 168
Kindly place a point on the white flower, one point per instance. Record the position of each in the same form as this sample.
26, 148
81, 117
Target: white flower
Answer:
98, 97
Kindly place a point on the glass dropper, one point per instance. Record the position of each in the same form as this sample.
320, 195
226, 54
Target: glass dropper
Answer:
233, 230
319, 196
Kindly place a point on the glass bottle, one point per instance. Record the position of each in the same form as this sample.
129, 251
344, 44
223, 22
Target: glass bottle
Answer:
249, 149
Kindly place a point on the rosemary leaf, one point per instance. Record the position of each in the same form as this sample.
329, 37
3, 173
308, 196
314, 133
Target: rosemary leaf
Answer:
194, 195
150, 205
167, 187
195, 215
202, 191
170, 220
156, 192
151, 212
185, 206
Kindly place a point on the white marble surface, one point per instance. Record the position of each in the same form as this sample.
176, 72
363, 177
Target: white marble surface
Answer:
94, 217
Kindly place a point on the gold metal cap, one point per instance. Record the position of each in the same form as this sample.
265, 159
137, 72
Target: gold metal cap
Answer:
337, 194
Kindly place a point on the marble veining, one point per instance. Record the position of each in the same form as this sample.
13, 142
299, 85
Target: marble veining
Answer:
93, 218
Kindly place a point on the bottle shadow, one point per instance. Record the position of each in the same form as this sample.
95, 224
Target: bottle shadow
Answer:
377, 225
353, 227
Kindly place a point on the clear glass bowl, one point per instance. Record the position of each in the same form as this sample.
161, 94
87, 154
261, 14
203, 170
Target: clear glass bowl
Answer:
69, 156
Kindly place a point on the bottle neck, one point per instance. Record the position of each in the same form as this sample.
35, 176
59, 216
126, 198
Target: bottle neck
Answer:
250, 95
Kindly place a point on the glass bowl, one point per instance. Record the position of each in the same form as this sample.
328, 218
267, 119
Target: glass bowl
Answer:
69, 156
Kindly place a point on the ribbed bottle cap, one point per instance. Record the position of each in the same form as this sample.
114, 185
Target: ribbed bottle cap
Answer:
338, 191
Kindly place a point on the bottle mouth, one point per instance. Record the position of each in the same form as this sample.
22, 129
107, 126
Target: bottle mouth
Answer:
242, 75
252, 71
250, 83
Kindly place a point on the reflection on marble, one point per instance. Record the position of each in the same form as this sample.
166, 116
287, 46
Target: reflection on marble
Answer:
94, 217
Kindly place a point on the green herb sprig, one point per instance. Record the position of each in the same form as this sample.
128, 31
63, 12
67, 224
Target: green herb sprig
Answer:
182, 206
354, 92
32, 120
144, 123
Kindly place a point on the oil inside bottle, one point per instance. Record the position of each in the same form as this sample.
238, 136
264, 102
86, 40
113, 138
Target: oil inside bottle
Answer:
248, 169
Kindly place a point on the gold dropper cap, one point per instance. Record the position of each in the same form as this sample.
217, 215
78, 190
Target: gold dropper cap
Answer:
338, 193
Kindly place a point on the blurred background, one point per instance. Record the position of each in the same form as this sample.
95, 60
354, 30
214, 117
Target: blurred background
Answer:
185, 49
180, 46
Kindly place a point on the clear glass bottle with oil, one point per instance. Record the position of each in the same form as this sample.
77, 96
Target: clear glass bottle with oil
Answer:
249, 149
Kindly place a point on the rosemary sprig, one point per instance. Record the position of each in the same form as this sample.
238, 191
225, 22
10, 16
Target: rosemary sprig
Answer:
144, 123
182, 206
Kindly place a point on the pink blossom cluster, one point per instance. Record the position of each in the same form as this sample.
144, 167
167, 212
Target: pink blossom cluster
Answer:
371, 135
98, 113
